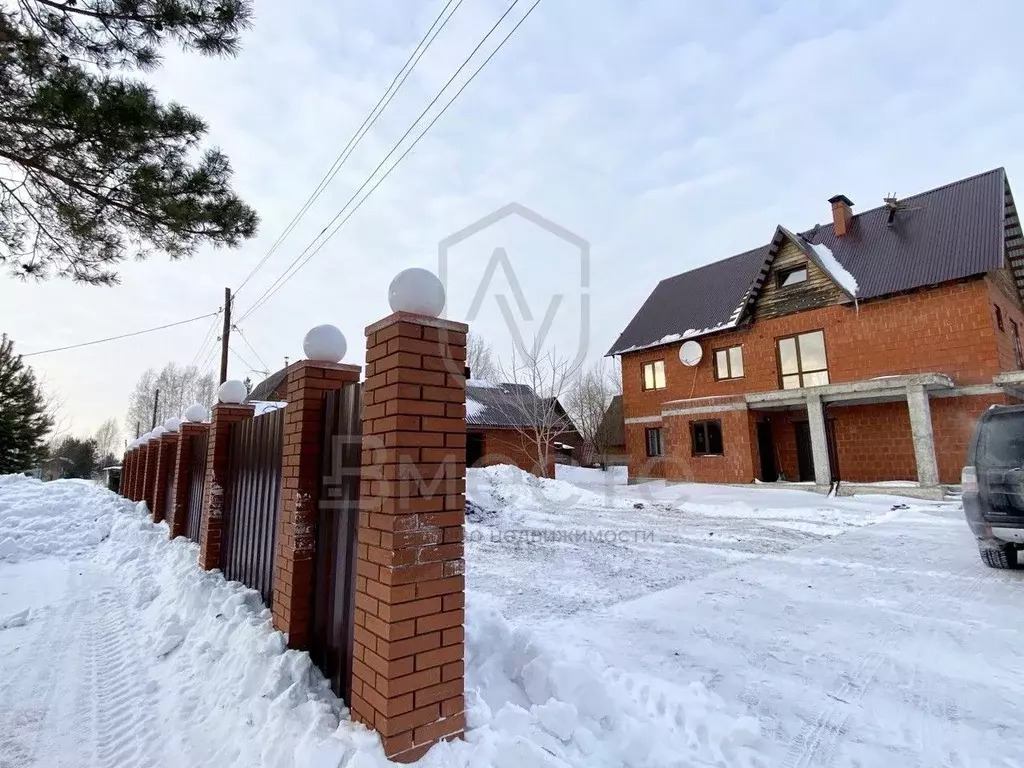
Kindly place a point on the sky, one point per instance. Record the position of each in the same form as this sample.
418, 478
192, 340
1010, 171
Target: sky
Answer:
664, 135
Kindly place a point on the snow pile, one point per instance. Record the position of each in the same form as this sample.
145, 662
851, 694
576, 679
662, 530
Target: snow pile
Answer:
71, 517
836, 271
529, 704
505, 488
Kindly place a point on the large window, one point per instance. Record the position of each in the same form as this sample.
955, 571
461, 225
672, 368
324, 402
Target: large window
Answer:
654, 375
654, 445
707, 438
802, 361
729, 363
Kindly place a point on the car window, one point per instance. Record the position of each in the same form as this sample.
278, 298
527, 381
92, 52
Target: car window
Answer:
1002, 441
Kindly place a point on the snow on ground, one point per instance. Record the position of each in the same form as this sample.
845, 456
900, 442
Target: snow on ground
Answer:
607, 625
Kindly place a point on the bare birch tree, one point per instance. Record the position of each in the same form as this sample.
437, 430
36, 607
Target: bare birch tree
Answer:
587, 402
108, 438
179, 386
480, 358
534, 382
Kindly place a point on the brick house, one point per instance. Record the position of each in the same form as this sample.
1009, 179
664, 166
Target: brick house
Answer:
861, 350
501, 427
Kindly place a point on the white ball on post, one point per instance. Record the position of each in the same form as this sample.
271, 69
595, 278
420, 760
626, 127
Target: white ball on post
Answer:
173, 424
196, 413
418, 291
325, 344
159, 432
231, 392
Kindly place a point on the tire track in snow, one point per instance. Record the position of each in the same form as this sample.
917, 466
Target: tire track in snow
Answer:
124, 712
818, 741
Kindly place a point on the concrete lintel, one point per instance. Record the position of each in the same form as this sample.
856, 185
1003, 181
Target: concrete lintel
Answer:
705, 409
1009, 379
886, 386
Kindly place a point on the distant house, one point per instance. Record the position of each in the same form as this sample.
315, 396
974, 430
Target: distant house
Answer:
502, 423
612, 436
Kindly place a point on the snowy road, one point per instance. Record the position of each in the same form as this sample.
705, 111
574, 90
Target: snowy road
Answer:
888, 644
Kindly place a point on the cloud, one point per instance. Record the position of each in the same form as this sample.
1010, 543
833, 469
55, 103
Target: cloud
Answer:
669, 134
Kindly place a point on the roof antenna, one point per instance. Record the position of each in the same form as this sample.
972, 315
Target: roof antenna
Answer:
894, 205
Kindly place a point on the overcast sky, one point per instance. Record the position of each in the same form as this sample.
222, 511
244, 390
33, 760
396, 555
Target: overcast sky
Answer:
667, 134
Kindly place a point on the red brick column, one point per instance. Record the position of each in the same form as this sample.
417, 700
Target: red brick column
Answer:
166, 446
126, 465
138, 472
182, 476
294, 566
129, 474
409, 640
149, 476
224, 415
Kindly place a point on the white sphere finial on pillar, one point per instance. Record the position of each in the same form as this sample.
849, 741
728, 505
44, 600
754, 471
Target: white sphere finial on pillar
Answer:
196, 413
418, 291
159, 431
231, 392
172, 424
325, 344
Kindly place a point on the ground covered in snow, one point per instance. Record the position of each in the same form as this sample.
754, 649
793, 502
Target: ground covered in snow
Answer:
607, 625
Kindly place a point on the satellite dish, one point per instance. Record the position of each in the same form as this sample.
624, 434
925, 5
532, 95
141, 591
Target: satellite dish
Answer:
690, 353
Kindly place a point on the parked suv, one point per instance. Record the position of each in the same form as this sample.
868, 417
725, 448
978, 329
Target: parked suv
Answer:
993, 486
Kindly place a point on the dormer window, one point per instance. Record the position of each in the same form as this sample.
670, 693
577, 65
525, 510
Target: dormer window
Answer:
789, 277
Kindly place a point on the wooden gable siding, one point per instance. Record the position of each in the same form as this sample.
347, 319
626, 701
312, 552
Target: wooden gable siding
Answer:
1014, 241
818, 291
1003, 280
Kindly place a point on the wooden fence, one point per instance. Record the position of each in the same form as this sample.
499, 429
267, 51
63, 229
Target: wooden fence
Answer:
251, 501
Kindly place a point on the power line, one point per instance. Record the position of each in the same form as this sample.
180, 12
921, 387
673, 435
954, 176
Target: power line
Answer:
368, 122
206, 339
115, 338
243, 361
250, 346
285, 276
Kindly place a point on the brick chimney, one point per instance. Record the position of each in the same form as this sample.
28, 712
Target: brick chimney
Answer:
842, 214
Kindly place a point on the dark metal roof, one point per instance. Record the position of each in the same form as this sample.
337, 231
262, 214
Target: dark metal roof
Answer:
948, 233
612, 430
265, 389
505, 406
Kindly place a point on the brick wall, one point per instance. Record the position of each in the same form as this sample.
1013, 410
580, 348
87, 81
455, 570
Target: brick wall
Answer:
947, 329
508, 446
737, 462
640, 465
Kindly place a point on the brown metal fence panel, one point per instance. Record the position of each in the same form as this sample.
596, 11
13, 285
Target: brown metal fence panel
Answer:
196, 484
252, 501
337, 524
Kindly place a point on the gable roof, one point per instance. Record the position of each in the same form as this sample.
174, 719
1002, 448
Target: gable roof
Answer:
265, 389
948, 233
506, 405
612, 429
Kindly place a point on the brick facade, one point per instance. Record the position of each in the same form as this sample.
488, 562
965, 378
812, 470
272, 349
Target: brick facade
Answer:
949, 329
509, 446
217, 452
300, 486
149, 474
408, 669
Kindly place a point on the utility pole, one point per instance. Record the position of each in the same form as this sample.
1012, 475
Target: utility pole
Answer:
156, 403
138, 430
225, 334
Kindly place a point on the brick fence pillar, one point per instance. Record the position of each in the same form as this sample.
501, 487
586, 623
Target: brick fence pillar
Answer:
133, 463
183, 476
166, 446
149, 476
126, 468
294, 564
224, 415
408, 669
139, 472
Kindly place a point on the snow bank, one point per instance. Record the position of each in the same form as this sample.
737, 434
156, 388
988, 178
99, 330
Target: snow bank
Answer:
71, 517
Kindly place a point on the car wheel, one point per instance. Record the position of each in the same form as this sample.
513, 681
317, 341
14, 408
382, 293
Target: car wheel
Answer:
1004, 556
